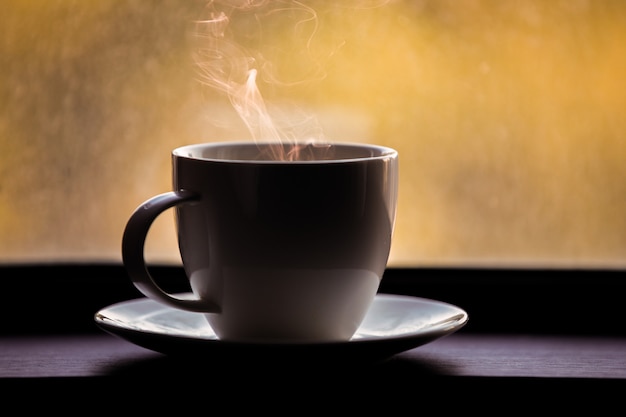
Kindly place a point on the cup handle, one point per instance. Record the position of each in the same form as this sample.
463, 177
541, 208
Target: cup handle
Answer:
133, 243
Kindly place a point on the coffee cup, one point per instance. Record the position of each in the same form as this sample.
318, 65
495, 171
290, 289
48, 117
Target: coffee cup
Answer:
280, 243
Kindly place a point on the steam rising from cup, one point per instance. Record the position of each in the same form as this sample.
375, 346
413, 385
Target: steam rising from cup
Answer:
229, 67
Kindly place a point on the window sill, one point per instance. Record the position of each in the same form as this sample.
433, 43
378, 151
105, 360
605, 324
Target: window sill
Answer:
528, 330
467, 370
457, 355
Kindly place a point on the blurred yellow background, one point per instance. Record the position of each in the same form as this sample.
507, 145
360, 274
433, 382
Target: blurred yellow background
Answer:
508, 117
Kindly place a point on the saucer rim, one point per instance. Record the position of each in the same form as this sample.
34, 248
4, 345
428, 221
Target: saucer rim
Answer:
454, 323
374, 346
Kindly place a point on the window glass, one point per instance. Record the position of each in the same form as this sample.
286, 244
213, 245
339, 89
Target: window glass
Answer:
508, 117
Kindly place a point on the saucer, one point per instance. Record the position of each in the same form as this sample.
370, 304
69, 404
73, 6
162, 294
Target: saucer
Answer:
393, 324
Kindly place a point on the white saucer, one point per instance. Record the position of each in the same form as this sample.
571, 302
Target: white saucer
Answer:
394, 323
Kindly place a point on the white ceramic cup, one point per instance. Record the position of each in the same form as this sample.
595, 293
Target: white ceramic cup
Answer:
278, 251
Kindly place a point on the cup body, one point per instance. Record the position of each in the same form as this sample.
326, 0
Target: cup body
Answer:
288, 251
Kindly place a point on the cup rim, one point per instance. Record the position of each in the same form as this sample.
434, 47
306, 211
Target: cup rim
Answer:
195, 151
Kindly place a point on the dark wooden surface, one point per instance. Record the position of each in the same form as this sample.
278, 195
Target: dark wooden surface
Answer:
550, 340
98, 374
457, 355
